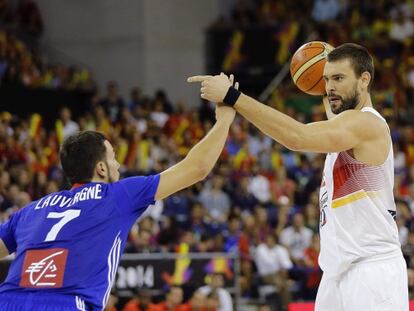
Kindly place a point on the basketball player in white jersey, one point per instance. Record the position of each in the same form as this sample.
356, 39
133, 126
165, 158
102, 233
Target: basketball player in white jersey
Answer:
360, 253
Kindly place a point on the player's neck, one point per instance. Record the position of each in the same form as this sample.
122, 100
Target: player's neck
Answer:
365, 101
99, 179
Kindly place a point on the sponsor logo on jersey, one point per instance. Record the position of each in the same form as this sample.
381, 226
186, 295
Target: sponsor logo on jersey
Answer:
44, 268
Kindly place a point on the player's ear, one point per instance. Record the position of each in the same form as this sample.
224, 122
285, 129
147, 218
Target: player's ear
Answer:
365, 79
100, 169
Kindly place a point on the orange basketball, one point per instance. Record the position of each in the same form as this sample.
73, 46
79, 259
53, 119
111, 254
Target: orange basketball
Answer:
306, 67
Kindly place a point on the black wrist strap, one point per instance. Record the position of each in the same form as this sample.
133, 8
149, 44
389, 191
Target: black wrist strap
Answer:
231, 97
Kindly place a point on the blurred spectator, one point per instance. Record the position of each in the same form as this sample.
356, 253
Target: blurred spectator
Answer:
236, 240
168, 234
402, 28
161, 96
311, 217
112, 102
198, 223
215, 288
296, 238
325, 10
178, 206
242, 197
215, 200
69, 126
135, 99
141, 302
259, 186
201, 302
205, 243
158, 114
273, 262
282, 185
141, 242
262, 224
173, 301
314, 272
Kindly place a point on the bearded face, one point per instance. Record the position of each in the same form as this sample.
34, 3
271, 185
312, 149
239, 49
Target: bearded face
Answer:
343, 86
340, 103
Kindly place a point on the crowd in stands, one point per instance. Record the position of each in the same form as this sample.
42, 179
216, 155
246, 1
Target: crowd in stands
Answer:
385, 27
261, 199
21, 61
21, 65
207, 298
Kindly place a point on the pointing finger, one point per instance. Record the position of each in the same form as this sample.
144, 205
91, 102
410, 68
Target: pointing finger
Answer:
197, 78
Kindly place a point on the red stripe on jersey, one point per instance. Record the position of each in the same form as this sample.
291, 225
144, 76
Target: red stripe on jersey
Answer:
350, 175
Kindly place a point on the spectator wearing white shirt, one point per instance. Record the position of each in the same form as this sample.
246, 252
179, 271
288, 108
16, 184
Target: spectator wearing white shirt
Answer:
69, 126
159, 116
296, 238
259, 186
273, 262
402, 28
215, 287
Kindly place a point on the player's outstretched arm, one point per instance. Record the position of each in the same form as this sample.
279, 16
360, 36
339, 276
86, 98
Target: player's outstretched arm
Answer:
343, 132
200, 160
3, 249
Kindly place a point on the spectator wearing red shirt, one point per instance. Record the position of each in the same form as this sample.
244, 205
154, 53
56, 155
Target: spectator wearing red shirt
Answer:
141, 302
173, 301
311, 262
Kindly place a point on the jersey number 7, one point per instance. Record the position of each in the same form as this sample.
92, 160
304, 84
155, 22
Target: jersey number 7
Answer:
66, 216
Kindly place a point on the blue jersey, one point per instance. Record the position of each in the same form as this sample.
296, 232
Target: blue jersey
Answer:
70, 242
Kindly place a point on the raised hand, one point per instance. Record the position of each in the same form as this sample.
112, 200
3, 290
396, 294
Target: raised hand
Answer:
213, 88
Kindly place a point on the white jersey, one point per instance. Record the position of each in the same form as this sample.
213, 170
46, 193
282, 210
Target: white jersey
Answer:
357, 211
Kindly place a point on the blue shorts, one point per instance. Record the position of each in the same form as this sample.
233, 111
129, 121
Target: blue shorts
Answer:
41, 302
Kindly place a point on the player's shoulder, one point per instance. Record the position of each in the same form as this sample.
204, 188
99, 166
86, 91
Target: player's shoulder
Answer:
365, 123
137, 182
356, 115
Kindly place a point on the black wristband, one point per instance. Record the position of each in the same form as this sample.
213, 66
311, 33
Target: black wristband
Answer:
231, 97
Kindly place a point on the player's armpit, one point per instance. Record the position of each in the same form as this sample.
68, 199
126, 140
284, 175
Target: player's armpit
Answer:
346, 131
3, 249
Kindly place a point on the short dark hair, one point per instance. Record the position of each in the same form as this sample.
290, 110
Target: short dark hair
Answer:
361, 60
79, 154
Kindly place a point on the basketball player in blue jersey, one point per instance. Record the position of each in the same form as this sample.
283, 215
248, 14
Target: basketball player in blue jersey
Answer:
360, 252
68, 244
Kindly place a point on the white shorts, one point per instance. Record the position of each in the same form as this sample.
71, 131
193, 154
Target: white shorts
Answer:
369, 286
